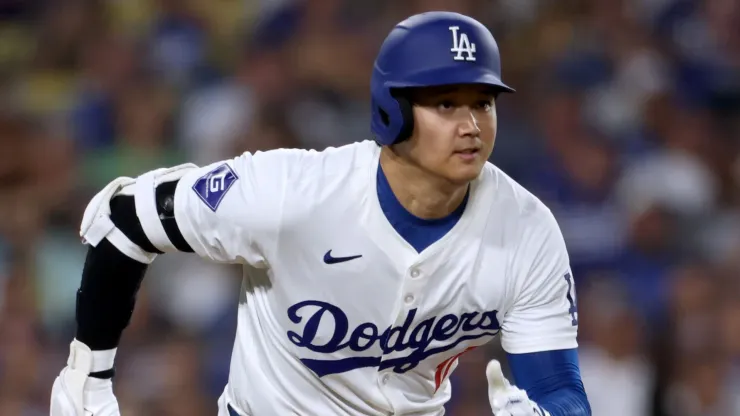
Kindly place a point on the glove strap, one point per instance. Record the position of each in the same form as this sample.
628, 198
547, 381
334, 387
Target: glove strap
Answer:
105, 374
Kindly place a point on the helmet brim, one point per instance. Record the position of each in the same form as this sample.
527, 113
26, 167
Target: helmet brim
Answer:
450, 76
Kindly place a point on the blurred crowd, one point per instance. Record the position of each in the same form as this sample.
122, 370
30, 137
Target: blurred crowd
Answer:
626, 123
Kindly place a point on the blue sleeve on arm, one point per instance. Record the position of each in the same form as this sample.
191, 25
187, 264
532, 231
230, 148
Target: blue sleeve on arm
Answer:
553, 380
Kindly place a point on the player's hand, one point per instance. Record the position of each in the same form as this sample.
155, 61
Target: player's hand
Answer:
508, 400
76, 394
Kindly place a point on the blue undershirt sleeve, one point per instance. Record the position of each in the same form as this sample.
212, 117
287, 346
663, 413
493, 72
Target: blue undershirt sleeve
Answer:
553, 380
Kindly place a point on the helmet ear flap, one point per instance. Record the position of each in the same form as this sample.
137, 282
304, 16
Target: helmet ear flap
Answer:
402, 116
407, 115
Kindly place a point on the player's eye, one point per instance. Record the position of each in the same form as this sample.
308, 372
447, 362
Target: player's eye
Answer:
445, 105
485, 105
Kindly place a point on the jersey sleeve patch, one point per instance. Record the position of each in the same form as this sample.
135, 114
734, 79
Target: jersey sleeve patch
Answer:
212, 187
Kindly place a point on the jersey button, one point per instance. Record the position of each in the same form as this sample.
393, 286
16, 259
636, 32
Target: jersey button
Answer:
409, 298
385, 378
415, 273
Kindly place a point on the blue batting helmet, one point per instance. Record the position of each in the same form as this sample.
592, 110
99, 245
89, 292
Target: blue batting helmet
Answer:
429, 49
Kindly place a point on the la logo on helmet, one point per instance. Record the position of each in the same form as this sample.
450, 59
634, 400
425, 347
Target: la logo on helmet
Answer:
461, 45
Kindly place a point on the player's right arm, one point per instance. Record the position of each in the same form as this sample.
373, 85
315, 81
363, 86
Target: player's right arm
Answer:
227, 212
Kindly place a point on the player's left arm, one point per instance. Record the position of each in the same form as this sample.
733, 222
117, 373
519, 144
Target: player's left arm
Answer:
540, 328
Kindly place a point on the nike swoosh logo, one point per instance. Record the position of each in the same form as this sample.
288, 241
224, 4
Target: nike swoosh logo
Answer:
329, 259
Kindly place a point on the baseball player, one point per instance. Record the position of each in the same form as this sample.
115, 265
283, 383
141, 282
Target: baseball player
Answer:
369, 269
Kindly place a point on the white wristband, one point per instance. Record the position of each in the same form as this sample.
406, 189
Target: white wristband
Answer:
103, 360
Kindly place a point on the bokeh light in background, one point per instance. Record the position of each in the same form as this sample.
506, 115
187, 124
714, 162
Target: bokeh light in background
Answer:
626, 123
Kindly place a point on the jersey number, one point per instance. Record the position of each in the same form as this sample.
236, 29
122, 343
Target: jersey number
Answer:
573, 309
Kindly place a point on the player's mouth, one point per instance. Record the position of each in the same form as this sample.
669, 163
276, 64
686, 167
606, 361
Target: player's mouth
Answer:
468, 154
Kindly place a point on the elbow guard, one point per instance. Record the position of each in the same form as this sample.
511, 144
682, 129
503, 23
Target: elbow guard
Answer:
137, 215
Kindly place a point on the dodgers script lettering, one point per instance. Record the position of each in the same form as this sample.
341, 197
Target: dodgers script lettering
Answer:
416, 340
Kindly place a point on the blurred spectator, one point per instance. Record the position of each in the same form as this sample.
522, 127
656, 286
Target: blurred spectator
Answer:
614, 355
108, 63
177, 44
144, 141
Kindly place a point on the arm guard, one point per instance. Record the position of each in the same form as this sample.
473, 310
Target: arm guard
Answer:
127, 225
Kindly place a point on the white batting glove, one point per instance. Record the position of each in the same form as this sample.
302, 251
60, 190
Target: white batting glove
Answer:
76, 394
508, 400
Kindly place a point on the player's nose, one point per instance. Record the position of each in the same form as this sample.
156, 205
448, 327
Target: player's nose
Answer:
468, 125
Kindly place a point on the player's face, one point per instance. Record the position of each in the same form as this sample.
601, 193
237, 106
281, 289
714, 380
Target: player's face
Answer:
454, 131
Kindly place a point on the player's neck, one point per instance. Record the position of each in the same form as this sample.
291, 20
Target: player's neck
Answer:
422, 194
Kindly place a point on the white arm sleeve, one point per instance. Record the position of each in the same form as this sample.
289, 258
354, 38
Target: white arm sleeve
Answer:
229, 211
543, 315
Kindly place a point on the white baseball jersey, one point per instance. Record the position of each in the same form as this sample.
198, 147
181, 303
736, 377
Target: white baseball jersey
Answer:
339, 315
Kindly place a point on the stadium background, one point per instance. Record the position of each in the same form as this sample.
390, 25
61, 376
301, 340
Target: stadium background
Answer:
625, 123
